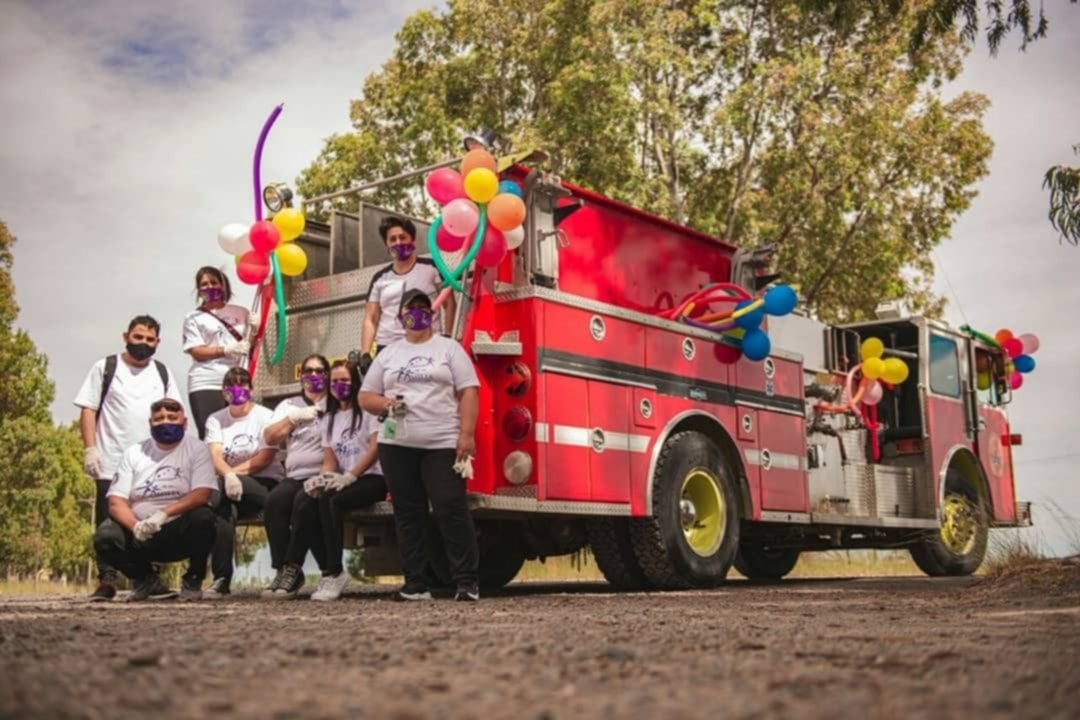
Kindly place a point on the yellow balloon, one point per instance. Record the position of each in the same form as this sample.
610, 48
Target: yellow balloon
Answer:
896, 371
481, 185
982, 381
290, 223
291, 259
873, 368
871, 348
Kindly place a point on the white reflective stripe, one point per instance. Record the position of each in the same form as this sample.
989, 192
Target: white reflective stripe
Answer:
627, 442
582, 437
541, 432
567, 435
777, 461
753, 457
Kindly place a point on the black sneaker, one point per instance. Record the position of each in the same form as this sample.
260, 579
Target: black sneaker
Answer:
467, 593
190, 590
412, 593
292, 579
274, 584
150, 588
218, 589
106, 591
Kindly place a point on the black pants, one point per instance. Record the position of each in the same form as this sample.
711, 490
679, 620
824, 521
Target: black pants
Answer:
228, 512
205, 403
319, 522
101, 514
188, 537
416, 477
278, 518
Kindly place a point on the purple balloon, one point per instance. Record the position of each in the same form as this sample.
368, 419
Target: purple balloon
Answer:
257, 163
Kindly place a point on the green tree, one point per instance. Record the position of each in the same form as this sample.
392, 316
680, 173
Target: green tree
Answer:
808, 124
1063, 182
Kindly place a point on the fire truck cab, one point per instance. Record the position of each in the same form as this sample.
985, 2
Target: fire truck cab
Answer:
655, 443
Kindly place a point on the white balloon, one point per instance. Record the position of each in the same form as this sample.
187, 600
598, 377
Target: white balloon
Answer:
514, 237
233, 238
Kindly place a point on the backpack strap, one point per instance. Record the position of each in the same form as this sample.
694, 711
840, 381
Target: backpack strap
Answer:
163, 372
107, 378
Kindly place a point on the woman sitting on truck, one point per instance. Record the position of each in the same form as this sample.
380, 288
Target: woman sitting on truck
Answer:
214, 337
351, 478
424, 389
294, 426
247, 469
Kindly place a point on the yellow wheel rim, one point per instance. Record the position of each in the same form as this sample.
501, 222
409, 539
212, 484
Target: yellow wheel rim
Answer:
702, 511
959, 525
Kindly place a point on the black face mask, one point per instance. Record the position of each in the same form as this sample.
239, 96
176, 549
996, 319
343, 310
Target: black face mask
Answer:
140, 351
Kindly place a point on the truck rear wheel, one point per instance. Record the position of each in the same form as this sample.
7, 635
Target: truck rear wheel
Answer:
959, 546
761, 562
691, 538
609, 539
501, 557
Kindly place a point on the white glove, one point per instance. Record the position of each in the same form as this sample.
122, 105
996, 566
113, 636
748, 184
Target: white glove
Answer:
157, 520
237, 348
92, 462
234, 489
299, 416
143, 531
464, 467
340, 481
314, 485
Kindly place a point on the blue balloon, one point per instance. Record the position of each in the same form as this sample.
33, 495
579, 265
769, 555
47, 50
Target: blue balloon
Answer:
750, 320
780, 300
1024, 363
509, 186
756, 345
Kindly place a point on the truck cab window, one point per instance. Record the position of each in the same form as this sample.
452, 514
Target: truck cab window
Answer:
944, 367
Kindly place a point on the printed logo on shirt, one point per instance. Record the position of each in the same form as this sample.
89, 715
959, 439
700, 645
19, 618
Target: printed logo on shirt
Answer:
163, 484
418, 369
345, 447
240, 448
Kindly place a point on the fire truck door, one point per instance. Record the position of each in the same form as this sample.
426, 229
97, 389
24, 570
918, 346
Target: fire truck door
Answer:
993, 439
611, 442
566, 443
949, 419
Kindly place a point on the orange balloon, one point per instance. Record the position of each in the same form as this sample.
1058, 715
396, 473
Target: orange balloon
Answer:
1003, 336
477, 158
506, 211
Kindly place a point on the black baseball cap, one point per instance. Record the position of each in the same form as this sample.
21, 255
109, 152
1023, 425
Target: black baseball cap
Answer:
411, 296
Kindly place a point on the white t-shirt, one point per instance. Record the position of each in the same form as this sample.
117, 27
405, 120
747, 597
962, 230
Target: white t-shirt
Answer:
241, 438
387, 289
152, 479
349, 445
124, 417
303, 447
201, 328
427, 375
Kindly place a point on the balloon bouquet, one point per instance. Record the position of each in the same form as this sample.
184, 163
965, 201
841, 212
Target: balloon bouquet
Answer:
741, 324
265, 251
1018, 350
876, 372
474, 203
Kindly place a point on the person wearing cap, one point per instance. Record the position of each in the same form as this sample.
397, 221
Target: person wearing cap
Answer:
389, 285
424, 388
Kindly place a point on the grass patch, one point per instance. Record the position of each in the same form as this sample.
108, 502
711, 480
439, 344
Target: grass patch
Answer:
1009, 551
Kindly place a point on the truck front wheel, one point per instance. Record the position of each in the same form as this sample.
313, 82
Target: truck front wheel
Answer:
959, 546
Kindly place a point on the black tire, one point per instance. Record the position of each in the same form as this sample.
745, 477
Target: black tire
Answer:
661, 547
500, 562
761, 562
609, 539
938, 558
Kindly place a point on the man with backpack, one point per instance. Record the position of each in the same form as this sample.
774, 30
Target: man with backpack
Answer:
115, 404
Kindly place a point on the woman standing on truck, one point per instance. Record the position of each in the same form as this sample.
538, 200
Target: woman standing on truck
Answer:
214, 337
351, 478
294, 426
247, 469
424, 389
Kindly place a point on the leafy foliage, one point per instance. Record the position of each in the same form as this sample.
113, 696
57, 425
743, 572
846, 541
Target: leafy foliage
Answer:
808, 124
1064, 185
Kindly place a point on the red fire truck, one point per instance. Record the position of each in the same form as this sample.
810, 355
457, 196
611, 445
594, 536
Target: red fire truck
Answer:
605, 425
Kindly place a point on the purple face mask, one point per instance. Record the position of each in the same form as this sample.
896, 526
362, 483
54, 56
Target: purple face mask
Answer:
238, 394
418, 318
212, 295
314, 383
341, 389
402, 252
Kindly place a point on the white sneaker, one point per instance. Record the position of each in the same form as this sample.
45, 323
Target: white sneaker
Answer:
331, 587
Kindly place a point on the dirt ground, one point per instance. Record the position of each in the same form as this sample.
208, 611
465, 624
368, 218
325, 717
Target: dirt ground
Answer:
872, 648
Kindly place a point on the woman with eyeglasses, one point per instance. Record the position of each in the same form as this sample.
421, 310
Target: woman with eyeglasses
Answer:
215, 337
247, 469
294, 428
351, 478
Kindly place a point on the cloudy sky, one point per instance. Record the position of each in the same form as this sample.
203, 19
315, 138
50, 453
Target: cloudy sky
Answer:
128, 129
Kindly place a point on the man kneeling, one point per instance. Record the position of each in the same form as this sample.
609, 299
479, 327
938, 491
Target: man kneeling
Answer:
158, 507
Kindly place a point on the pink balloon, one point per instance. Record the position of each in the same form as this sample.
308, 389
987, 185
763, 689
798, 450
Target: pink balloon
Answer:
445, 293
874, 393
1013, 347
460, 217
1016, 380
1030, 341
448, 242
445, 185
492, 250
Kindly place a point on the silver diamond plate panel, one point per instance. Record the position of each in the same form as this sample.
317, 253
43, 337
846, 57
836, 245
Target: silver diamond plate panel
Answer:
894, 491
528, 491
859, 489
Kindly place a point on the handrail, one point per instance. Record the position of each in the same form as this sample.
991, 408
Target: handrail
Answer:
377, 183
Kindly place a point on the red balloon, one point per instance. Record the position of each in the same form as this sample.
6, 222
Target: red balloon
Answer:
492, 250
1014, 347
1016, 380
264, 236
447, 241
253, 267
